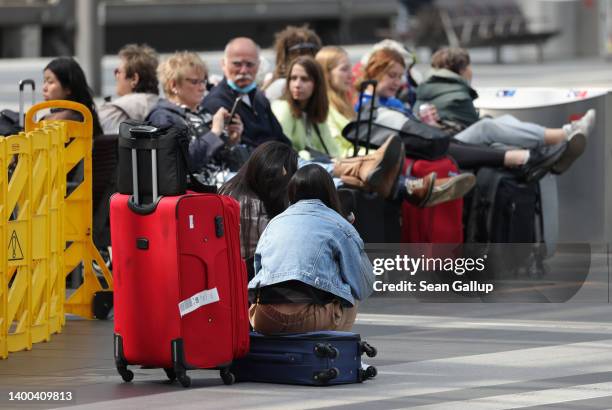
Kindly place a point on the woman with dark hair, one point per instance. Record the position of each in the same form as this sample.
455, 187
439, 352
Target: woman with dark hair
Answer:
261, 188
302, 112
136, 87
64, 80
310, 265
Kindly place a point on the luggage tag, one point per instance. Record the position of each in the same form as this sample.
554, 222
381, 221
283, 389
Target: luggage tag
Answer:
206, 297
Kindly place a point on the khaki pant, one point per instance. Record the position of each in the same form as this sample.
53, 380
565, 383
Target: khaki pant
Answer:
301, 317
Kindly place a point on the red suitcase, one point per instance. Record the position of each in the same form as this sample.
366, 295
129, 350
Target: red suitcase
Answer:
442, 223
180, 284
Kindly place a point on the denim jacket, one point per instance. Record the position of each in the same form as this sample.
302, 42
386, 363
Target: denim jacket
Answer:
312, 243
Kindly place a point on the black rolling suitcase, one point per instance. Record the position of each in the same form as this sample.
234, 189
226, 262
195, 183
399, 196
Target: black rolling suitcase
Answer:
315, 359
504, 210
377, 220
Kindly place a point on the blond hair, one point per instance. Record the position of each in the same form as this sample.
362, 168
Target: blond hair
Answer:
174, 69
329, 58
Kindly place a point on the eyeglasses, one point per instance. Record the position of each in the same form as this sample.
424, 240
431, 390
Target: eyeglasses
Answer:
246, 63
196, 81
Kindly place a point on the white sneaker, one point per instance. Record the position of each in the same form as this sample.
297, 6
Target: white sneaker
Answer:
582, 126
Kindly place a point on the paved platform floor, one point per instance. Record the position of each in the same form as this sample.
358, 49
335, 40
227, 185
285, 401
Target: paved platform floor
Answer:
438, 356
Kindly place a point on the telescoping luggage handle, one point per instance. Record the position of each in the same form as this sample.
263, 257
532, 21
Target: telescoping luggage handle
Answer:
362, 89
22, 85
144, 131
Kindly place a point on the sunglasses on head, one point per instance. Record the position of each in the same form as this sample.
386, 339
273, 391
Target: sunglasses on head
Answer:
303, 47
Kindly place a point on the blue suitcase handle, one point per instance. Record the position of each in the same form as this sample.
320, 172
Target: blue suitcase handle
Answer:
290, 358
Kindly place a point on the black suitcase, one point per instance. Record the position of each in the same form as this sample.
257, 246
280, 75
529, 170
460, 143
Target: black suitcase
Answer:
314, 359
377, 220
505, 210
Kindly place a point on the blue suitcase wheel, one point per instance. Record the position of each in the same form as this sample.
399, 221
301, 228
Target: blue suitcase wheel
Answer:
368, 349
326, 375
326, 350
371, 372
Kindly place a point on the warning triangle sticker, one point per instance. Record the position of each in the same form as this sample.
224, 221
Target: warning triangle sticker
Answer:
15, 253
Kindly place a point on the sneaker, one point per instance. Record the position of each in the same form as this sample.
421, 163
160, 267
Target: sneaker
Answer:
584, 125
449, 189
541, 161
574, 148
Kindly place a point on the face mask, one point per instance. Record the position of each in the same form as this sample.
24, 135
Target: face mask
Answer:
242, 90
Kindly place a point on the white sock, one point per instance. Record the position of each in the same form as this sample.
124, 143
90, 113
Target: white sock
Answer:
526, 160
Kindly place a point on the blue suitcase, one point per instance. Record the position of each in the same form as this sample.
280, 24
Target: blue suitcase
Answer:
315, 358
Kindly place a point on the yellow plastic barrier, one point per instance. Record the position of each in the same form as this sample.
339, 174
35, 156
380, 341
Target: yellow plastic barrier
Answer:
18, 207
37, 221
78, 207
4, 323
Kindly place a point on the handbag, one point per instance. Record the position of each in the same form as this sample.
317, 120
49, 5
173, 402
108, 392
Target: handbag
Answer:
421, 141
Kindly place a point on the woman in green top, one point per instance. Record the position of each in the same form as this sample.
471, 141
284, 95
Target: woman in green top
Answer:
339, 81
303, 110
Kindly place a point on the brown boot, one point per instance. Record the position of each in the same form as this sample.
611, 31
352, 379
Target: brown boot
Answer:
449, 189
431, 191
376, 172
419, 190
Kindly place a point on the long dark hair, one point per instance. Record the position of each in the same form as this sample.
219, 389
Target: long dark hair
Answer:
314, 182
70, 75
317, 107
263, 177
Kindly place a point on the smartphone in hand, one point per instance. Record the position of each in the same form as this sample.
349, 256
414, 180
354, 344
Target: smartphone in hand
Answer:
233, 111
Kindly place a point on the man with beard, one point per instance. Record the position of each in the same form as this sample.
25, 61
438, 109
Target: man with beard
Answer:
240, 64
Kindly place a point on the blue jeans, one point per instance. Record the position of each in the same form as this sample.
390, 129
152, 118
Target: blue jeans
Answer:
503, 132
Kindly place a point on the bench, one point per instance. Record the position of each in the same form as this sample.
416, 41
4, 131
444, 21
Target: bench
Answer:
476, 23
